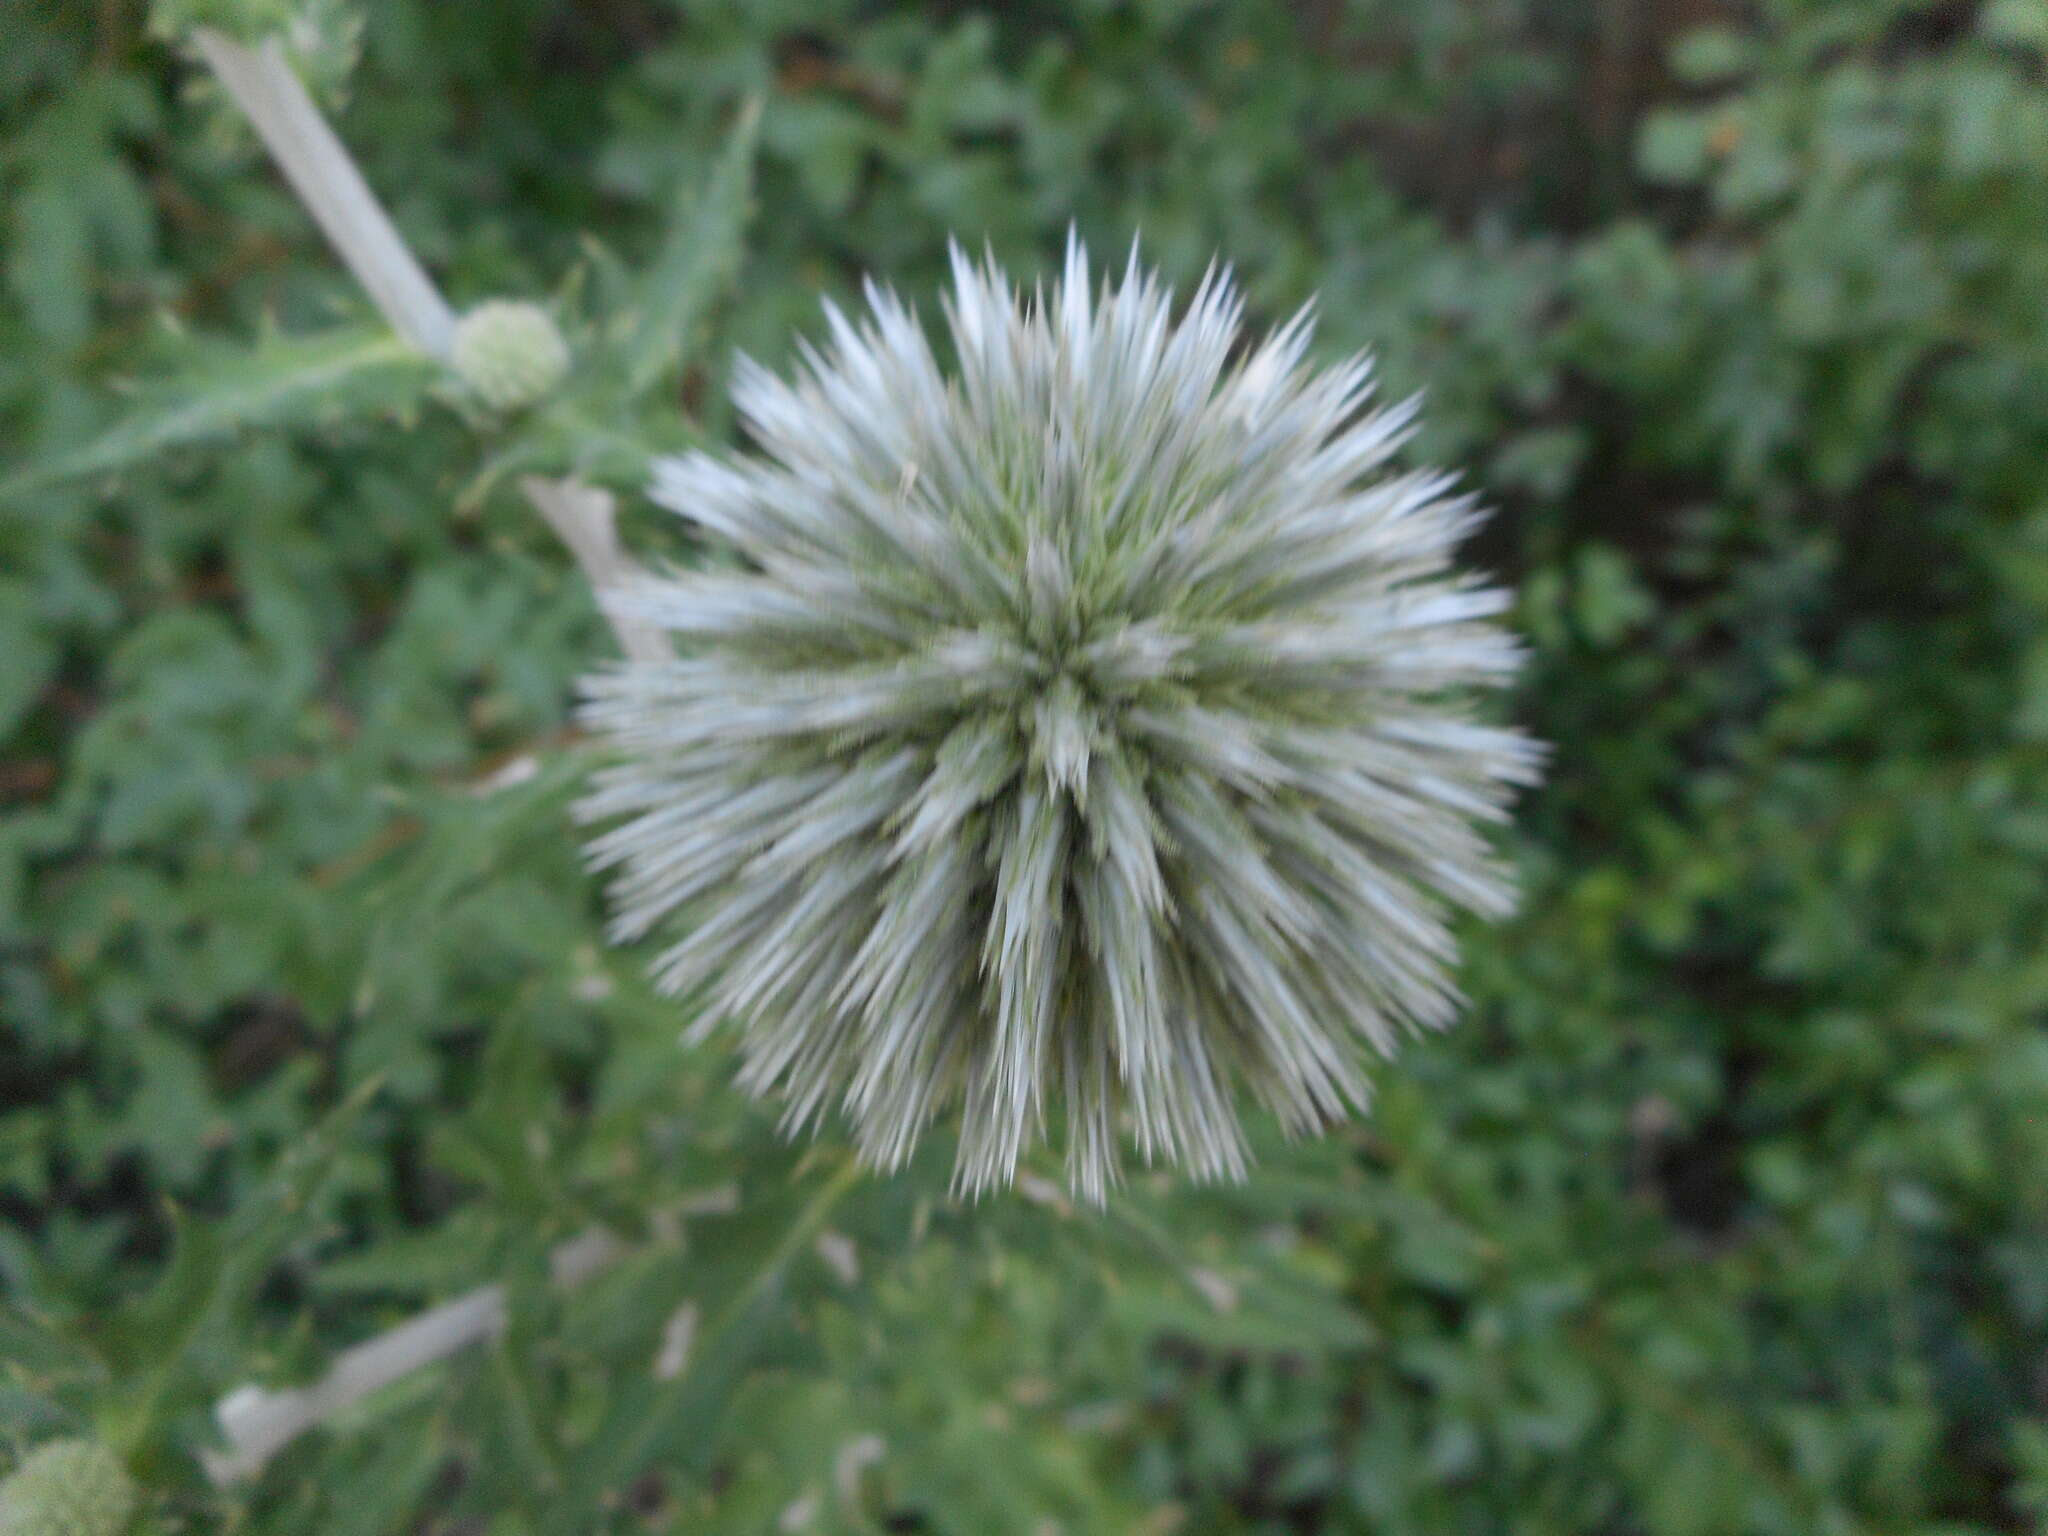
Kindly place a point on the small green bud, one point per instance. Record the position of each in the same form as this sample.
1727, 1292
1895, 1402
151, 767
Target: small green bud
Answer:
246, 21
322, 39
509, 353
67, 1488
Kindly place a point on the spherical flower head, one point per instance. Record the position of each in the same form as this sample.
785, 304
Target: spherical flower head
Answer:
247, 21
510, 354
67, 1488
1076, 733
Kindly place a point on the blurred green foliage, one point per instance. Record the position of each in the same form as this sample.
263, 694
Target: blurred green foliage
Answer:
1725, 1210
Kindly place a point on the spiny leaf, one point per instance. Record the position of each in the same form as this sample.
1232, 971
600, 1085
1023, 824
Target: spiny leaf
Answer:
282, 381
34, 1350
674, 1420
212, 1267
700, 256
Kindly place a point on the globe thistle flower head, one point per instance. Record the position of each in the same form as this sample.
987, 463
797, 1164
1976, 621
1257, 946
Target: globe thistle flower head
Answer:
1075, 733
67, 1488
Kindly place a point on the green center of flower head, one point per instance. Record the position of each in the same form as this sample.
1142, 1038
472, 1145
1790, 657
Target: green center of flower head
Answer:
1074, 732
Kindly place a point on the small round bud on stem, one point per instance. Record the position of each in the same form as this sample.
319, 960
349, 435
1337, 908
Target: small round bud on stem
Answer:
67, 1488
510, 354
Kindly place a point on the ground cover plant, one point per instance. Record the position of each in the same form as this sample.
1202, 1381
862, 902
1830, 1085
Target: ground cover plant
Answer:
1720, 1210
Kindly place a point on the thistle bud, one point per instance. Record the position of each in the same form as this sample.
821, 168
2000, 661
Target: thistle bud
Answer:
246, 21
510, 354
1077, 736
67, 1488
322, 39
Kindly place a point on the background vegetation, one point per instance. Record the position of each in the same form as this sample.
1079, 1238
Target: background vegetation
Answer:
1724, 1211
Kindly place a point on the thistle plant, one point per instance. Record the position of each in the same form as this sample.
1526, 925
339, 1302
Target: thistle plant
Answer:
1081, 731
1074, 735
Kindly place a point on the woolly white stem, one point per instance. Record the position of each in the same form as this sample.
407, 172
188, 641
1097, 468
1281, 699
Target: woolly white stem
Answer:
317, 165
257, 1424
582, 516
333, 190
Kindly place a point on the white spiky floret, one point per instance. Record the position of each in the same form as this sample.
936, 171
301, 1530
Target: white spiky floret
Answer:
1069, 734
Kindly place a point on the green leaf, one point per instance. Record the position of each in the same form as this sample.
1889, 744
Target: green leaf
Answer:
674, 1420
211, 1269
1710, 55
1674, 146
52, 245
32, 655
700, 257
384, 1481
2030, 719
2015, 21
79, 219
577, 436
1610, 602
33, 1350
283, 381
